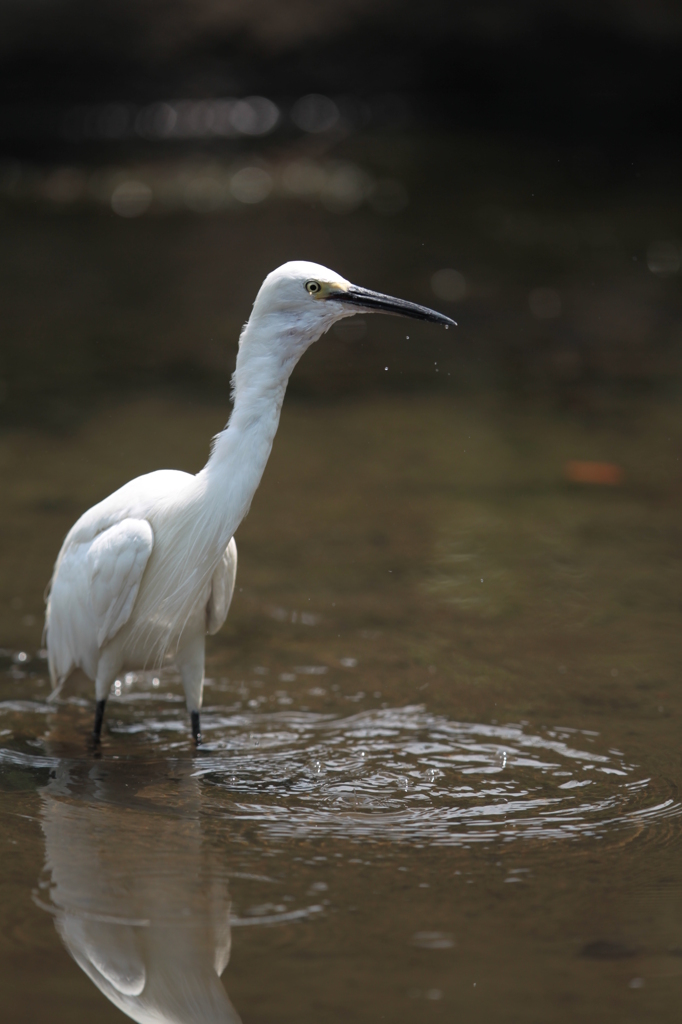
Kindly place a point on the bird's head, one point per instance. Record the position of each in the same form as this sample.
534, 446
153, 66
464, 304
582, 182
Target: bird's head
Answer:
305, 299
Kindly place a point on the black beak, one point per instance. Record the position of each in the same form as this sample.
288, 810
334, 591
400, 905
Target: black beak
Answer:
375, 302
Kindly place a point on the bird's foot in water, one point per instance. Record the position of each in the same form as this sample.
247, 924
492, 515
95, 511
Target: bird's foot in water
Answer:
196, 731
96, 734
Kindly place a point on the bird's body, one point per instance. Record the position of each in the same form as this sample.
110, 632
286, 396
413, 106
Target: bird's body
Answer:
148, 571
127, 553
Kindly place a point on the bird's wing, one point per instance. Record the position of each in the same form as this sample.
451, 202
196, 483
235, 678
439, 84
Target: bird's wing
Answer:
222, 589
93, 590
116, 561
70, 627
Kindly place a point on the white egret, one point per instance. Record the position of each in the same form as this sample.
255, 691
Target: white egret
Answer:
148, 571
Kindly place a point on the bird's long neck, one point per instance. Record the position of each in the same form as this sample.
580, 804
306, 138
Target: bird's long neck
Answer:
196, 540
240, 453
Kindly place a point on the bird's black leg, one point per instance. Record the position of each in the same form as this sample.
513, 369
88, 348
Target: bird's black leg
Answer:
196, 732
99, 716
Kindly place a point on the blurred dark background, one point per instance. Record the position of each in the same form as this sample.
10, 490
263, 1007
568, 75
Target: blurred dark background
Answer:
516, 164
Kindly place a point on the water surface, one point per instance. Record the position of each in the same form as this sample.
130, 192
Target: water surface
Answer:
441, 767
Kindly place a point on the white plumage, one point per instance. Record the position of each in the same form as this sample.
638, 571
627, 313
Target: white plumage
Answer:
151, 569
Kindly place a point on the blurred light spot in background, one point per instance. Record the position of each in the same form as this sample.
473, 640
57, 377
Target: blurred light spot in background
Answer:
449, 284
664, 257
65, 185
156, 121
388, 197
303, 178
222, 124
605, 473
545, 303
255, 115
204, 184
346, 187
114, 121
131, 198
193, 120
315, 113
433, 940
180, 119
205, 193
251, 185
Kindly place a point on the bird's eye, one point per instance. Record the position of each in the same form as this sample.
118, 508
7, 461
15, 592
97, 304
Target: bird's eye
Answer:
312, 287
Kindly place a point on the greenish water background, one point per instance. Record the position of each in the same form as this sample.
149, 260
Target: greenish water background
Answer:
416, 573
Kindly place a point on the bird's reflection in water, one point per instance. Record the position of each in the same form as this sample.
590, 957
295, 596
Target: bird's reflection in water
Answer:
141, 903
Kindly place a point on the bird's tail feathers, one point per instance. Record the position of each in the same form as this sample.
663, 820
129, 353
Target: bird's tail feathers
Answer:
56, 692
56, 681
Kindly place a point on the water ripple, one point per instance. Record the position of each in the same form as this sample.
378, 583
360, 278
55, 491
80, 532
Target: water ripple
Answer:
391, 774
408, 775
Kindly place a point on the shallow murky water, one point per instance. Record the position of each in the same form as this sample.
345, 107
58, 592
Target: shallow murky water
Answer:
441, 767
